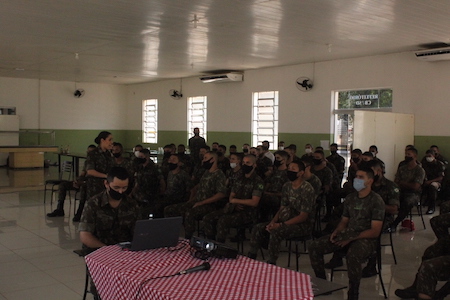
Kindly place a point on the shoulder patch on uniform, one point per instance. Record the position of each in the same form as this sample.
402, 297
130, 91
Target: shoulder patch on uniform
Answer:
396, 190
260, 186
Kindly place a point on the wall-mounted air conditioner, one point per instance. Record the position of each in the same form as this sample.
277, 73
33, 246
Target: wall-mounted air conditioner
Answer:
433, 54
226, 77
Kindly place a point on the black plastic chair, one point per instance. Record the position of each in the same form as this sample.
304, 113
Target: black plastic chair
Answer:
419, 213
65, 169
378, 255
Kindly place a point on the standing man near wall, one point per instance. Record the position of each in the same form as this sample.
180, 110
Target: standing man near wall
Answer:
195, 143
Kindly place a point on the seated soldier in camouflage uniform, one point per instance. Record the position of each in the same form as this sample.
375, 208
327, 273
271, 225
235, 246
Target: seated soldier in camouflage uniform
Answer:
242, 206
109, 217
198, 170
293, 219
271, 198
435, 263
124, 162
149, 184
409, 179
205, 197
357, 233
178, 185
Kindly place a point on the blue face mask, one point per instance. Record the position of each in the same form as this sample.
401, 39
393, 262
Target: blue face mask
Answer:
358, 184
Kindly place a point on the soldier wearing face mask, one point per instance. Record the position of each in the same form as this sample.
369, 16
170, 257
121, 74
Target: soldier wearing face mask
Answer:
434, 173
198, 170
242, 203
223, 162
124, 162
178, 186
246, 149
109, 217
270, 201
235, 172
294, 217
390, 193
337, 160
325, 175
356, 234
309, 150
205, 197
409, 179
150, 182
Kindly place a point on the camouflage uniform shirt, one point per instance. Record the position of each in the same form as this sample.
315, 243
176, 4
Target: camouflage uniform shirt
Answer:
276, 181
147, 179
109, 225
325, 175
178, 185
211, 184
248, 187
415, 175
361, 211
390, 194
295, 201
316, 184
101, 162
232, 177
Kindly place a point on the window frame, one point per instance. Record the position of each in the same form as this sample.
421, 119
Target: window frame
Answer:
260, 117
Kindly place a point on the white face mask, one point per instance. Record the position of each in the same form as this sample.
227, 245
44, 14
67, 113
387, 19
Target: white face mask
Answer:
136, 153
374, 154
233, 165
430, 159
308, 150
281, 148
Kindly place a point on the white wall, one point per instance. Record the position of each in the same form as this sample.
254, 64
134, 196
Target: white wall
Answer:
419, 88
51, 104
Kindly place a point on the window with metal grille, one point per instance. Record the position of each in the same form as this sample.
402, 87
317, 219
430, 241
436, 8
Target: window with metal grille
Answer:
265, 118
197, 115
150, 121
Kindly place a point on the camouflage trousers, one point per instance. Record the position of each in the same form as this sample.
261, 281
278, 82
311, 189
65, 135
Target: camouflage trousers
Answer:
357, 252
176, 210
62, 192
218, 223
445, 207
440, 225
260, 235
269, 206
195, 214
430, 272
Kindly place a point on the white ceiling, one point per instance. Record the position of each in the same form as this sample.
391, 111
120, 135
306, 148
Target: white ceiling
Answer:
131, 41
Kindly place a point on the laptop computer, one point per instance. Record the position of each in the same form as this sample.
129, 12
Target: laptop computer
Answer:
155, 233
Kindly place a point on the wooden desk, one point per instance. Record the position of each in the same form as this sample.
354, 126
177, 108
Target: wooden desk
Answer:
27, 156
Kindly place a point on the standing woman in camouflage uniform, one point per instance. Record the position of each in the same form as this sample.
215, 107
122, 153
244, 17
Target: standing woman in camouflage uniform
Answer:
98, 163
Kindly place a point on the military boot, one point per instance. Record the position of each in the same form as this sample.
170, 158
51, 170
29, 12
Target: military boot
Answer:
353, 290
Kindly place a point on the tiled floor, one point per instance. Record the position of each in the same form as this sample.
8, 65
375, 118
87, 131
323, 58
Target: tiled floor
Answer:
37, 261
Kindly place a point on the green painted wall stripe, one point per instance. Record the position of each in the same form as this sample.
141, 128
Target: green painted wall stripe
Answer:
78, 140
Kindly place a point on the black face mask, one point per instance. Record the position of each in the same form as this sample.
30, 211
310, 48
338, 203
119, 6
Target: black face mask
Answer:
277, 163
333, 152
140, 160
355, 160
408, 158
292, 175
167, 154
117, 155
317, 161
172, 166
245, 150
207, 164
181, 152
376, 178
219, 154
115, 194
246, 169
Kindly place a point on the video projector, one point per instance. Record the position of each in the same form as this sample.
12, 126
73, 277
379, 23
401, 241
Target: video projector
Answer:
213, 248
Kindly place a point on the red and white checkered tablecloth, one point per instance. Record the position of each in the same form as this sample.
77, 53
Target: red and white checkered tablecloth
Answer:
120, 274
